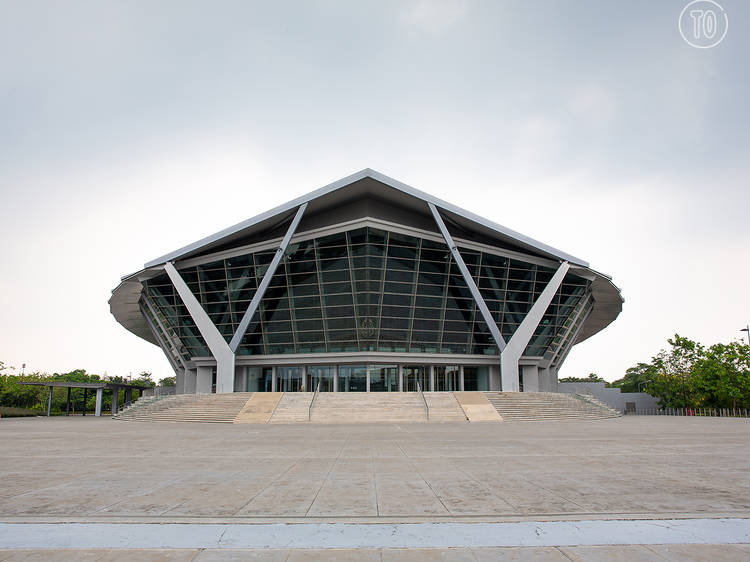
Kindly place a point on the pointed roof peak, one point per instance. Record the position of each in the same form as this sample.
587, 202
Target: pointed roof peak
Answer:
458, 213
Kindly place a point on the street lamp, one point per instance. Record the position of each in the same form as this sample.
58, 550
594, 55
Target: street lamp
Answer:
642, 383
747, 329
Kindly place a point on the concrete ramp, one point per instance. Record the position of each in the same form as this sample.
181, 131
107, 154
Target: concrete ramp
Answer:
477, 408
293, 407
259, 408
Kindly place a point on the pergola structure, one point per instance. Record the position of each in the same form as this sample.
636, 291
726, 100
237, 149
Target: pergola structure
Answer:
99, 387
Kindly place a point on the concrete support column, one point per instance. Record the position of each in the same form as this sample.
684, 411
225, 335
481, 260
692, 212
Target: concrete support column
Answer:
273, 379
400, 378
115, 398
493, 376
191, 376
49, 403
461, 377
98, 406
368, 379
128, 395
203, 380
240, 379
545, 384
304, 379
530, 375
432, 378
335, 378
179, 381
85, 399
67, 403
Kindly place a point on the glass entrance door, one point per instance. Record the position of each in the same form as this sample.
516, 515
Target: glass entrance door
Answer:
383, 378
352, 378
414, 374
447, 378
322, 374
288, 379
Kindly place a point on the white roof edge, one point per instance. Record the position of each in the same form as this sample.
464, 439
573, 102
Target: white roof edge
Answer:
367, 172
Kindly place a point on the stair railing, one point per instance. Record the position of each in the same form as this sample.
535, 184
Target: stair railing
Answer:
426, 407
310, 407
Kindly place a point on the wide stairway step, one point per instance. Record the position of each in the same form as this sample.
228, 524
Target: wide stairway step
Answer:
538, 406
207, 408
369, 407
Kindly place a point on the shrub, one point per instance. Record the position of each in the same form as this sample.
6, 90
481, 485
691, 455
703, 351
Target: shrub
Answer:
11, 412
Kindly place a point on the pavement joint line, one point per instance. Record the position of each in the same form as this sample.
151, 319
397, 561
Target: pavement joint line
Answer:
374, 535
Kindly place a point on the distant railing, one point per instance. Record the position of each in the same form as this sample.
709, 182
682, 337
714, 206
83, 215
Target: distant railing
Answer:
310, 407
697, 412
426, 407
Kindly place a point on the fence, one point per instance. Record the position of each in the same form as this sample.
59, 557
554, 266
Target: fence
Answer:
700, 412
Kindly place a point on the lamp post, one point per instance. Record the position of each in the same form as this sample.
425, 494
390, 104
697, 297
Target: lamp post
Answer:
641, 383
747, 329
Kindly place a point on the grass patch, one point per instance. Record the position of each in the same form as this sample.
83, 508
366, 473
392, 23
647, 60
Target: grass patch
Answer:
10, 412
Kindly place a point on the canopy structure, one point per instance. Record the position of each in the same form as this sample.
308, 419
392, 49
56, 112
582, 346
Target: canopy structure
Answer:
98, 387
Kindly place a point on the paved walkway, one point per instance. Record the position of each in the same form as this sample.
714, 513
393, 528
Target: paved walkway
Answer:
90, 470
634, 466
627, 553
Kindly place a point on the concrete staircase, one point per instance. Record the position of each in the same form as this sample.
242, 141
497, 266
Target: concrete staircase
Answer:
377, 407
292, 408
539, 406
207, 408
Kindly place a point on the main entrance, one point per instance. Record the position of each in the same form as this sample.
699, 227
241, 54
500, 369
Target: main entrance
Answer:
368, 378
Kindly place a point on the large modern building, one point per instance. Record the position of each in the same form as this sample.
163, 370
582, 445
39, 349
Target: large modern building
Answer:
366, 285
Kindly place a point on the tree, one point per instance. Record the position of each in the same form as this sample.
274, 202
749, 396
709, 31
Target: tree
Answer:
168, 381
593, 377
145, 379
636, 378
687, 375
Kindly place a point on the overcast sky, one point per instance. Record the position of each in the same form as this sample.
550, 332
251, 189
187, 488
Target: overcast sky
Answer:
129, 129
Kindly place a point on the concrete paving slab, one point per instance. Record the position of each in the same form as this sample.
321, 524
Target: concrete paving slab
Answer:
60, 467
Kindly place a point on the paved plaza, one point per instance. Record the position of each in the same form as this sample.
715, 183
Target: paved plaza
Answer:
89, 470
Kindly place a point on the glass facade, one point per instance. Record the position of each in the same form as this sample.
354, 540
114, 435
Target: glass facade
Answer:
366, 290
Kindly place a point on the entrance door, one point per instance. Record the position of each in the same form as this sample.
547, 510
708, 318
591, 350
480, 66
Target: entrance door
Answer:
322, 374
352, 378
288, 379
447, 378
414, 374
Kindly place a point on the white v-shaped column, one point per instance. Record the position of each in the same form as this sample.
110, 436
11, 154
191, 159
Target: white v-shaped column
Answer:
225, 353
521, 337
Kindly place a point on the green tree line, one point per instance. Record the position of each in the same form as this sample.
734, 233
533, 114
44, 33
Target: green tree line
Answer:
690, 375
13, 394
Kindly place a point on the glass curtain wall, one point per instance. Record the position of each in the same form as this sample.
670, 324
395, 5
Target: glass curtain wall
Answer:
365, 290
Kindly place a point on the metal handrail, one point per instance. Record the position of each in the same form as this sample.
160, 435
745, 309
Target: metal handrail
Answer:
426, 407
309, 408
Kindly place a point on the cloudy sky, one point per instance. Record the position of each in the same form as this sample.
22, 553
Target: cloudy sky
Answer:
128, 129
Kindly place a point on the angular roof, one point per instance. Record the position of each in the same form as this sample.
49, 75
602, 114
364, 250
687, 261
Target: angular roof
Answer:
366, 183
